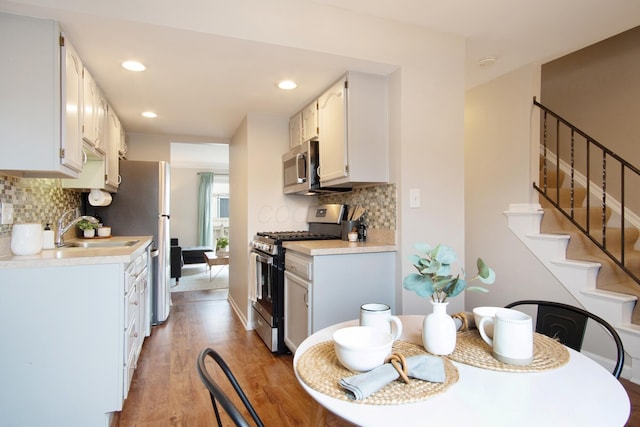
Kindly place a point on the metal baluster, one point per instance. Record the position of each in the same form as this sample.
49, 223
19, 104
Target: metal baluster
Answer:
544, 160
557, 159
604, 199
622, 221
573, 143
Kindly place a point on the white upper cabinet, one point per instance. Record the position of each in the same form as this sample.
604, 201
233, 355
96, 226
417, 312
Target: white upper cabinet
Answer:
309, 117
353, 131
303, 126
72, 155
101, 172
295, 130
115, 134
332, 106
89, 96
93, 113
41, 89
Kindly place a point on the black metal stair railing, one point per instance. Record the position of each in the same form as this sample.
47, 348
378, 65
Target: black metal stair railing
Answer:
574, 146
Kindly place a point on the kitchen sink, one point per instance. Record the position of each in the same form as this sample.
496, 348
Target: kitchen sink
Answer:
101, 244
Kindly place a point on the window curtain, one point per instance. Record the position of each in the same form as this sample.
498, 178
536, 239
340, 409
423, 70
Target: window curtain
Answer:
205, 215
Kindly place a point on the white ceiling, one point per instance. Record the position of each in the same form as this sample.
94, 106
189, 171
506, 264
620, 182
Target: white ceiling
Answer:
203, 85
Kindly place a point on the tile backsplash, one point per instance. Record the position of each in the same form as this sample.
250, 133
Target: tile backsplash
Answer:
379, 202
40, 200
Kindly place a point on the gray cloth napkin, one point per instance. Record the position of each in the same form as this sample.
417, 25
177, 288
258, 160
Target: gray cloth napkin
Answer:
423, 367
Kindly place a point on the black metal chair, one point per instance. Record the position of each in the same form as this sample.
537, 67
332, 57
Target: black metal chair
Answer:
216, 393
568, 324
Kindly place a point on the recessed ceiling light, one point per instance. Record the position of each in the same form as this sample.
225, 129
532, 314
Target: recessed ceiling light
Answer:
287, 85
149, 114
133, 66
487, 61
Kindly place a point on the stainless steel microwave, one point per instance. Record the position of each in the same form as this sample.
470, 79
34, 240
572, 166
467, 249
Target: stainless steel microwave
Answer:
300, 169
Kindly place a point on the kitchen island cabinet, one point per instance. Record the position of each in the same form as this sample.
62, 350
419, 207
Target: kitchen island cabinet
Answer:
72, 331
322, 290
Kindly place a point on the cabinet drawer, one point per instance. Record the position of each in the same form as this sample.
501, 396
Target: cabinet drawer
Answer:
132, 300
299, 265
131, 336
129, 369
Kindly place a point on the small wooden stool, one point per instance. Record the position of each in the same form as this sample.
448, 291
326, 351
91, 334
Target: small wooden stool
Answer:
212, 259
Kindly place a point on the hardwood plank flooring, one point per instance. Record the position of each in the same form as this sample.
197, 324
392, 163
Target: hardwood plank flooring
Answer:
166, 389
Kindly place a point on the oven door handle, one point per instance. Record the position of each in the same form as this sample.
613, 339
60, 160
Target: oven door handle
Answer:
262, 258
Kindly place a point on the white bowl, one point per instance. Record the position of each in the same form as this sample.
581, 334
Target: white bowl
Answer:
362, 348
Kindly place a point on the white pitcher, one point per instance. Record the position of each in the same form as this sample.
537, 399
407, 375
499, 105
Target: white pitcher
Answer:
512, 336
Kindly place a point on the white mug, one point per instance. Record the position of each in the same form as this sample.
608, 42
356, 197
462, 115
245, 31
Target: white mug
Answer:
379, 316
487, 311
512, 336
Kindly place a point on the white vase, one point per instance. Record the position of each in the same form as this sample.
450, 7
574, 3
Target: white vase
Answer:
439, 330
89, 233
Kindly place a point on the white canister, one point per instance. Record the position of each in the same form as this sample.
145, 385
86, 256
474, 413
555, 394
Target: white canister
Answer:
26, 239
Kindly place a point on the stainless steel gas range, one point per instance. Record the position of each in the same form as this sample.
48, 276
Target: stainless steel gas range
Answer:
268, 254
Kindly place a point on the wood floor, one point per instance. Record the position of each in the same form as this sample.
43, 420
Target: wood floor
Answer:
166, 390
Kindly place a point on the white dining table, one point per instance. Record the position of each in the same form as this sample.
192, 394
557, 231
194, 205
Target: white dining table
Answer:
579, 393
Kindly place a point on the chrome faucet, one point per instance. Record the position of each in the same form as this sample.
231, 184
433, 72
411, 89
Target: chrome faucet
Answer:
61, 230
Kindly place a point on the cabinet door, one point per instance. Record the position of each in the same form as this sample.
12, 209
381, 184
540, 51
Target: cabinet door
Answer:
114, 135
71, 141
295, 130
332, 108
297, 300
100, 120
89, 96
310, 121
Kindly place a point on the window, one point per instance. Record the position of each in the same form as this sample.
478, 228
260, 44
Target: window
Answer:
222, 206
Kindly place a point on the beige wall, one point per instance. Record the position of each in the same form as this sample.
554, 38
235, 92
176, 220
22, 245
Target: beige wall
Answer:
498, 172
148, 147
597, 89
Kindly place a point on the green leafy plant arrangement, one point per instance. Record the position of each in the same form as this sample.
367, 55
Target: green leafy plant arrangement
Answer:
222, 242
434, 278
86, 225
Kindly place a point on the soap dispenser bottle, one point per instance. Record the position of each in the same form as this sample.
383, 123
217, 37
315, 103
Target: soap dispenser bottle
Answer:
47, 237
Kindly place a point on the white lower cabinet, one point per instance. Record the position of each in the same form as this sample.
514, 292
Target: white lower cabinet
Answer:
70, 337
297, 293
323, 290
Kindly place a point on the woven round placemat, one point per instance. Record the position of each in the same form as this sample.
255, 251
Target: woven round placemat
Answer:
472, 350
320, 369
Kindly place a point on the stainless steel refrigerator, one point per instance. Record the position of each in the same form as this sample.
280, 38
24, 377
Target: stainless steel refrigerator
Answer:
141, 207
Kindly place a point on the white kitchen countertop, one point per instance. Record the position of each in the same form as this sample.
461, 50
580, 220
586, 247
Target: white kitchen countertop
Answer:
337, 247
69, 256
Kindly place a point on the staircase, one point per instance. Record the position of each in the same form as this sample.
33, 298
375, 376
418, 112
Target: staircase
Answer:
588, 240
596, 281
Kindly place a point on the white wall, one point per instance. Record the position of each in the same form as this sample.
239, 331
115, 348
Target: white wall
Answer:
257, 202
498, 171
184, 204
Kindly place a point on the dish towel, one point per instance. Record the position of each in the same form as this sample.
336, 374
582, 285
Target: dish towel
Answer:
423, 367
